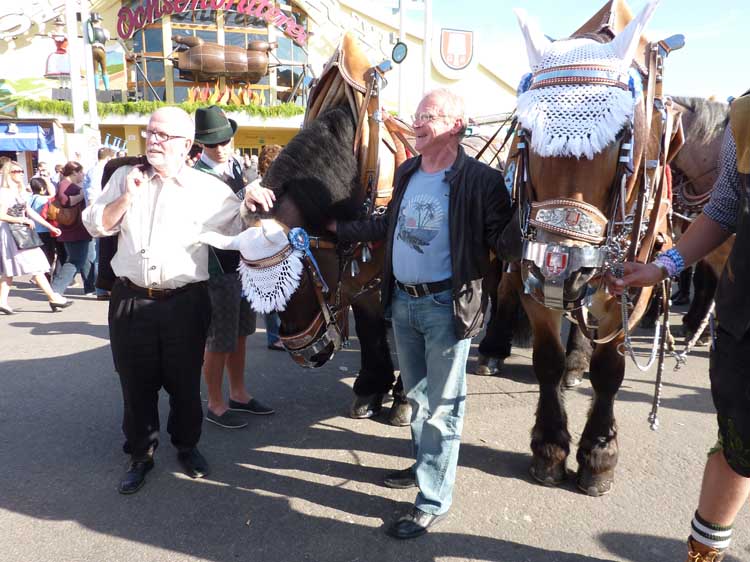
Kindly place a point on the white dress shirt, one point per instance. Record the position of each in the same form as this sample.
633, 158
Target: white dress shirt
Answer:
160, 243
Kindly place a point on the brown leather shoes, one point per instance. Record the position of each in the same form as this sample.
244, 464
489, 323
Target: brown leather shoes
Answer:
698, 552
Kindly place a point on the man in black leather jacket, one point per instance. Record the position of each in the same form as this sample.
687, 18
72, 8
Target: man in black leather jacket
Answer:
448, 212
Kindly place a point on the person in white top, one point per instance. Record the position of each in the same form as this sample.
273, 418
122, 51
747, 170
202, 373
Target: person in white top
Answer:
159, 307
92, 188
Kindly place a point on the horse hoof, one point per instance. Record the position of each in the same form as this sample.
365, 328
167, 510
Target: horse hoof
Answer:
573, 379
400, 413
547, 475
366, 406
488, 366
595, 485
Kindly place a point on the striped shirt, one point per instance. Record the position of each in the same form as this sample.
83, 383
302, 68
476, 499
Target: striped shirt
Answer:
724, 204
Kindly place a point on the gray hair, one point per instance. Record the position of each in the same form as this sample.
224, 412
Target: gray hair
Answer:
453, 105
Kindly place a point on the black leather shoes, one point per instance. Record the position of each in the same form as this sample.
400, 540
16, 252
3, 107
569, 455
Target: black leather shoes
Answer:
413, 524
135, 477
193, 463
401, 479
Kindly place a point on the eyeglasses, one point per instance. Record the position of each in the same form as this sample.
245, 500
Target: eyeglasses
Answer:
158, 136
427, 117
16, 172
214, 145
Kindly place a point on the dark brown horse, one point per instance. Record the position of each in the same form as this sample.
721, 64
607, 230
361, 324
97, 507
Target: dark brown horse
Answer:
339, 166
589, 167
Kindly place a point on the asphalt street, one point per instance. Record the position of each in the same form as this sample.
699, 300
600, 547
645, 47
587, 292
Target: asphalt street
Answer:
305, 483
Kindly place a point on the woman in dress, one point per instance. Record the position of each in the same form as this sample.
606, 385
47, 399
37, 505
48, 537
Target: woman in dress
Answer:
78, 245
14, 209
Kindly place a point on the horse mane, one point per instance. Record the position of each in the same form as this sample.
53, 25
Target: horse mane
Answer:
318, 169
706, 120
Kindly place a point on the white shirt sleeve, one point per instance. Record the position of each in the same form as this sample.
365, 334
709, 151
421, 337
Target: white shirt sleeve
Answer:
93, 215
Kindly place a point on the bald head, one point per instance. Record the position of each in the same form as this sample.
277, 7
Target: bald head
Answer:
169, 138
174, 121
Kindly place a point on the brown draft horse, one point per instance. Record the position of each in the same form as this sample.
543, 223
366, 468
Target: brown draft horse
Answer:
339, 166
695, 170
587, 201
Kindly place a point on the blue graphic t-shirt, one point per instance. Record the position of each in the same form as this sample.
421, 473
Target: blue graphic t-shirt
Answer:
421, 245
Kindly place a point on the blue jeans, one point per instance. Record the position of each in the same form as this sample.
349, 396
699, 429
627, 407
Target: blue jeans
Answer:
80, 260
433, 368
273, 323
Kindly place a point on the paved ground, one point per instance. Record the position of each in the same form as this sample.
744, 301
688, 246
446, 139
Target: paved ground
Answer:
303, 485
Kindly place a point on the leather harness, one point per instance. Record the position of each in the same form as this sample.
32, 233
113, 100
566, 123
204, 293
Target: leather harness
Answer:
608, 240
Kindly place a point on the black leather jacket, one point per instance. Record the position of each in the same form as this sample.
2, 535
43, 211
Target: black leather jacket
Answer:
479, 209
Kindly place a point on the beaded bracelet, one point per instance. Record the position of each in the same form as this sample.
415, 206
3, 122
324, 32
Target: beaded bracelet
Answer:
676, 257
672, 261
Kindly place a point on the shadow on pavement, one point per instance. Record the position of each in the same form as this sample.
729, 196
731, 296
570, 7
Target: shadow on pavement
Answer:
270, 483
648, 547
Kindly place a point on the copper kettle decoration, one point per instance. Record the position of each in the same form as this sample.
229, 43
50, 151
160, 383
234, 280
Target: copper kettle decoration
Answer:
209, 61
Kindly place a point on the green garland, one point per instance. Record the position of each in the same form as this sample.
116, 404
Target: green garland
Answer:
56, 107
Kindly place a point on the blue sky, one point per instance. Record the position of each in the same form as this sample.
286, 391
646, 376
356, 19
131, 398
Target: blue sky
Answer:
715, 60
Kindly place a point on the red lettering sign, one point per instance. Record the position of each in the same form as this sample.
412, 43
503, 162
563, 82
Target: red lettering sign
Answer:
129, 21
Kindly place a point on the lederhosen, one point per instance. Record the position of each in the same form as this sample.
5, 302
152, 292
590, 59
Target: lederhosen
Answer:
231, 316
730, 378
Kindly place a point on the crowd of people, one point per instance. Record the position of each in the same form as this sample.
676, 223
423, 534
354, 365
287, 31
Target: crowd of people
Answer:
163, 270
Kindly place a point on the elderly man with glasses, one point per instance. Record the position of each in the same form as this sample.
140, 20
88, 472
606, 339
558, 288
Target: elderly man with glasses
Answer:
448, 211
159, 307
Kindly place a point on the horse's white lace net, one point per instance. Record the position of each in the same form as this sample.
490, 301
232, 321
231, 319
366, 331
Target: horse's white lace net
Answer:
578, 119
270, 288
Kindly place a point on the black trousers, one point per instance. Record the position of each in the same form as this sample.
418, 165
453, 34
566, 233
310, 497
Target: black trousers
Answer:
159, 344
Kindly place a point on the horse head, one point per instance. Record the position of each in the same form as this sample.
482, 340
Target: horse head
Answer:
333, 169
582, 128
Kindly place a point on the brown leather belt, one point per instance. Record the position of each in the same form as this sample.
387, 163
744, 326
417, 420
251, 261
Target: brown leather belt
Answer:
158, 294
424, 289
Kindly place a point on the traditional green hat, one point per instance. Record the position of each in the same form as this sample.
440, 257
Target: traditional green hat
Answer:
212, 126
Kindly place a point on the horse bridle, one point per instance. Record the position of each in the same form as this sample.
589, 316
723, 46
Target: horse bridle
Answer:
329, 326
601, 242
597, 244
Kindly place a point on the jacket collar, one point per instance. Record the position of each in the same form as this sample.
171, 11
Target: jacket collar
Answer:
411, 166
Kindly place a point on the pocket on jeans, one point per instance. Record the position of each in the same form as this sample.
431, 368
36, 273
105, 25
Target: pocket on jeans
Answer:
443, 298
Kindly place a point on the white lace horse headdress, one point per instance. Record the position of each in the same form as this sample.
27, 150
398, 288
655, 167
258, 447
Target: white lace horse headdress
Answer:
271, 263
581, 92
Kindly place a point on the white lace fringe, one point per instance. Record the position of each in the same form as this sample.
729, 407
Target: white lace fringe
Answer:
564, 123
271, 288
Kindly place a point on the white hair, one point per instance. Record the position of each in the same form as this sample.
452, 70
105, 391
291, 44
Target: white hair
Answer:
452, 103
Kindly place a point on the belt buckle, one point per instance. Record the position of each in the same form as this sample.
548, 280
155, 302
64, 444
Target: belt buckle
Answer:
152, 293
411, 290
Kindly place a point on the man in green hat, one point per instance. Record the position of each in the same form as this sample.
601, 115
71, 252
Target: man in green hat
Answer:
231, 318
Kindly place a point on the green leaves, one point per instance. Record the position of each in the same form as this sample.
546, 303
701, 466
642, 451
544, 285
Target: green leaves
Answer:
55, 107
